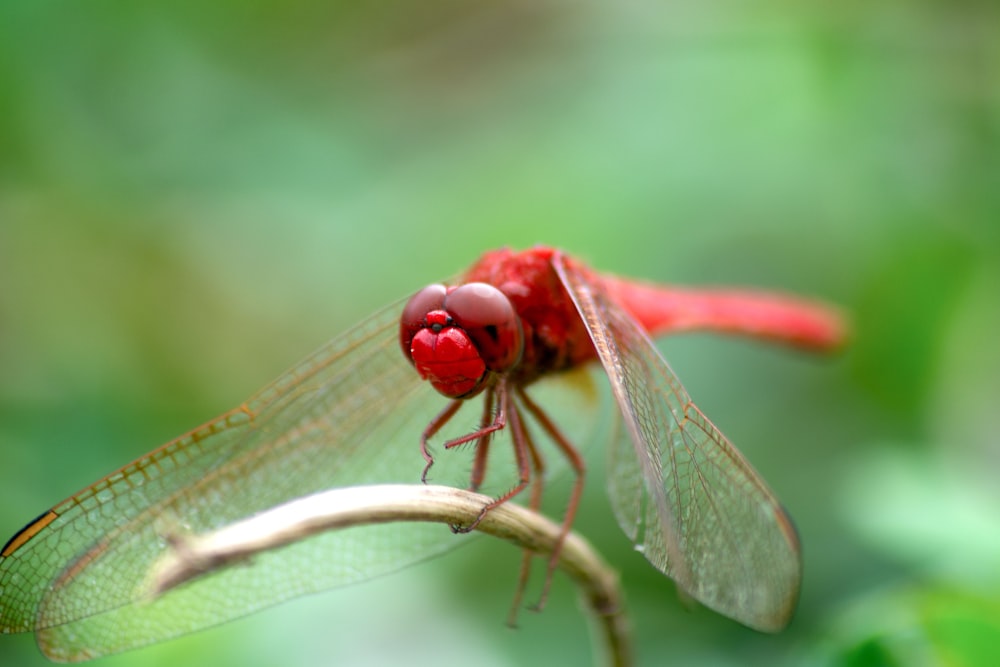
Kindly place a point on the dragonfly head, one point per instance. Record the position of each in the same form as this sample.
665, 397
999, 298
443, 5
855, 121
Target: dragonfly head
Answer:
457, 336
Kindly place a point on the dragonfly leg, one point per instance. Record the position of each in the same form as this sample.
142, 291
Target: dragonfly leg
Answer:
494, 395
483, 445
504, 401
576, 462
535, 504
433, 427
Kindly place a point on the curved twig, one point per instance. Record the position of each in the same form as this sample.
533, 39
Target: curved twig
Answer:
194, 556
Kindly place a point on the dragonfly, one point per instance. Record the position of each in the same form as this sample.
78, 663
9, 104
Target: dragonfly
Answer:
359, 411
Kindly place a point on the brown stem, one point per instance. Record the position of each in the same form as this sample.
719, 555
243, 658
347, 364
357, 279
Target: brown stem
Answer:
194, 556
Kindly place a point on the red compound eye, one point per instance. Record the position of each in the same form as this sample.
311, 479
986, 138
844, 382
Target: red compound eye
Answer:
488, 317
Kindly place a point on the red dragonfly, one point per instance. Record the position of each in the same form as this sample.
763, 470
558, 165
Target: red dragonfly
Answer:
682, 493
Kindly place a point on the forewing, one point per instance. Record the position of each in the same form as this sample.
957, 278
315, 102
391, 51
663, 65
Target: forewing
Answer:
349, 414
686, 497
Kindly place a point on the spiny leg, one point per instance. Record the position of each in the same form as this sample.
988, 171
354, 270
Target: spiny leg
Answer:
534, 503
433, 427
505, 401
493, 395
483, 446
576, 462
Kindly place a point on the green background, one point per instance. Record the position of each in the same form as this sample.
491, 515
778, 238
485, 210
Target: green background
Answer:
193, 197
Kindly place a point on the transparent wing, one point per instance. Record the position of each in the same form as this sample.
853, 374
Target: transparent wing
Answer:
682, 493
349, 414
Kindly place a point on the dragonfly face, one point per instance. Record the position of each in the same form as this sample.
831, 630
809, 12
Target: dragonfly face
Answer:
457, 336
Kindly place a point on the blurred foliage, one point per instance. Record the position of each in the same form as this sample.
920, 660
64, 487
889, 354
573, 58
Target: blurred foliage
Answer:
194, 196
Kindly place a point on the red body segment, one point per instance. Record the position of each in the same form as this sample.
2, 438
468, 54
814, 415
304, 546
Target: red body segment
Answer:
556, 338
665, 310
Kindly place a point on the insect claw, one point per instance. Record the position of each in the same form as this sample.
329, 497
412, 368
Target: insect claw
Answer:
427, 469
459, 529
